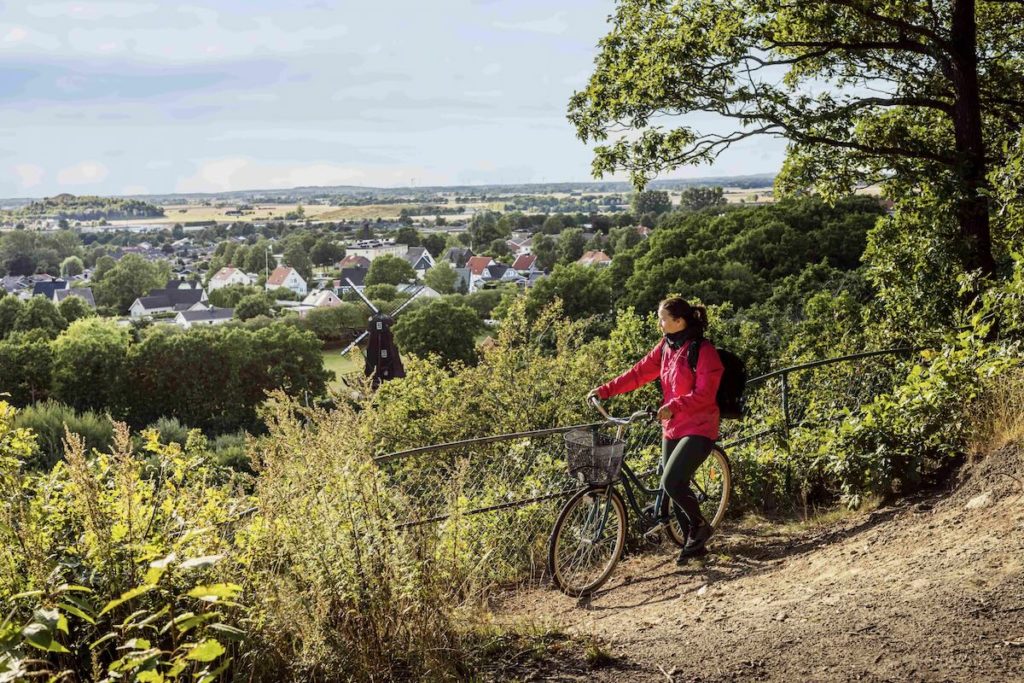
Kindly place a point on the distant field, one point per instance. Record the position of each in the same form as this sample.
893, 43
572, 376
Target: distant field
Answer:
189, 213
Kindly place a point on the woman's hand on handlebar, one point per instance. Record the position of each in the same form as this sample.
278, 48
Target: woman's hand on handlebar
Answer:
593, 395
664, 413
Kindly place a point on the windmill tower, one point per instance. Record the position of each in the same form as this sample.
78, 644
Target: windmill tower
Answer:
383, 361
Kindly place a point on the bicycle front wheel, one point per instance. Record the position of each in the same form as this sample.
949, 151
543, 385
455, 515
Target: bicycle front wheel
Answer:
712, 484
587, 540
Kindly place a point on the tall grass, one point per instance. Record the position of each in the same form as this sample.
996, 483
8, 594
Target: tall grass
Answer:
341, 594
998, 416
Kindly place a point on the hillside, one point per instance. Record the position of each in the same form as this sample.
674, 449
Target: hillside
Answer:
929, 589
84, 208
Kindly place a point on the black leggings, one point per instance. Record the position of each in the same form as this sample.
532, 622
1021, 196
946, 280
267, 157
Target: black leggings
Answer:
681, 458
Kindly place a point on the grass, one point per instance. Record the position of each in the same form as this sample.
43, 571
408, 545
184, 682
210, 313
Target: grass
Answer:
340, 365
182, 213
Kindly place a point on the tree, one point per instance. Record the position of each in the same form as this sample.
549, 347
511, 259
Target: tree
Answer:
74, 308
435, 243
71, 266
440, 327
10, 308
26, 365
498, 250
408, 236
584, 291
390, 270
252, 305
651, 201
295, 255
326, 252
914, 94
228, 297
129, 279
571, 245
552, 225
484, 228
39, 313
546, 250
697, 198
89, 364
441, 278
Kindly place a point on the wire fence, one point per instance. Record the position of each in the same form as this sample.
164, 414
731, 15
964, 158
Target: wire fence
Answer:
496, 497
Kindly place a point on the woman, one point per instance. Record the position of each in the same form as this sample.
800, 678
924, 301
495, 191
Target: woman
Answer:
689, 411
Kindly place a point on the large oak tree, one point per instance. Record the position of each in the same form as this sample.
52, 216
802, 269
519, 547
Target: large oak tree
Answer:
912, 93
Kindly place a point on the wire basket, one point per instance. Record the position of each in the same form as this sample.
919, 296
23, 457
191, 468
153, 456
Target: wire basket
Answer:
593, 458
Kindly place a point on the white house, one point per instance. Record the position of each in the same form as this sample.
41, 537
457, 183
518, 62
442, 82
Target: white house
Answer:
228, 276
323, 298
477, 266
283, 276
420, 260
204, 317
371, 249
168, 301
526, 264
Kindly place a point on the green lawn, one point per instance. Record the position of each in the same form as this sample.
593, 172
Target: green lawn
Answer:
339, 365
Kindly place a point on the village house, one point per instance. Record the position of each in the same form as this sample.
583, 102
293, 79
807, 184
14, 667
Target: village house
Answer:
322, 298
371, 249
457, 256
203, 317
84, 293
526, 264
228, 276
420, 260
357, 275
477, 266
169, 300
351, 261
283, 276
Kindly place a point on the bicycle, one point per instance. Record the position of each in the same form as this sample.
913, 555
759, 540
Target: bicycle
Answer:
589, 534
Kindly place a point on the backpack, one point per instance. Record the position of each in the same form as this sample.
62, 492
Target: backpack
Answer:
730, 399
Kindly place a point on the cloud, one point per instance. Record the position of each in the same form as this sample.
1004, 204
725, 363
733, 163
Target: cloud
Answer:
83, 173
29, 175
15, 37
554, 25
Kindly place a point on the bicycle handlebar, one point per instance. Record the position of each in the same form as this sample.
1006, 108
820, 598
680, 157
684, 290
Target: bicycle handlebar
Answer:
595, 403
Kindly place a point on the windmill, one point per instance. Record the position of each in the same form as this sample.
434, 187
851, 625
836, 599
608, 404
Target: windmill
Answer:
382, 359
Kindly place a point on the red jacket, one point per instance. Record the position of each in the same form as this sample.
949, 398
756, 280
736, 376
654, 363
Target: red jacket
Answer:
691, 398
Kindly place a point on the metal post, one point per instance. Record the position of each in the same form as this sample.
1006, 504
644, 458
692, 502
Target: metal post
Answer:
785, 404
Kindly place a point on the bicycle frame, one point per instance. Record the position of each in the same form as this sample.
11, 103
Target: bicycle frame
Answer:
630, 479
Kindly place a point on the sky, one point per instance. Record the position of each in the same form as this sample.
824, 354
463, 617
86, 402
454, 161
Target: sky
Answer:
122, 97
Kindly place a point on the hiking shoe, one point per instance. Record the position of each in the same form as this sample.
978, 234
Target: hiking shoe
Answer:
695, 542
686, 555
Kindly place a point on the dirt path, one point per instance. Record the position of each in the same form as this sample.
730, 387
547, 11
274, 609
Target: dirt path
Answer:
931, 589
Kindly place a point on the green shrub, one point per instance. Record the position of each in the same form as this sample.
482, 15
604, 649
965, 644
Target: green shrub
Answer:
170, 430
48, 421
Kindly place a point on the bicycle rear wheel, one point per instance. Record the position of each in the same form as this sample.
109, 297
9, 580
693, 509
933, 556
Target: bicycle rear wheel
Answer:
587, 540
712, 484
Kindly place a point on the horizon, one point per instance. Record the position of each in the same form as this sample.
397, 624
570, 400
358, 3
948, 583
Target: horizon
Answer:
137, 99
709, 181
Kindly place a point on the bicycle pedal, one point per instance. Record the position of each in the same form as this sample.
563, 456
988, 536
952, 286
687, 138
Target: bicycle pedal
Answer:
654, 533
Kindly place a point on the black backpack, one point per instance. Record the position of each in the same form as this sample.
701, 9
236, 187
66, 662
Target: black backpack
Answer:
731, 403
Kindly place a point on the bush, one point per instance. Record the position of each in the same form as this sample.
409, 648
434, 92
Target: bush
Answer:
49, 422
170, 430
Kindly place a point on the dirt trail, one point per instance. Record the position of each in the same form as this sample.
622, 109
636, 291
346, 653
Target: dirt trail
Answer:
931, 589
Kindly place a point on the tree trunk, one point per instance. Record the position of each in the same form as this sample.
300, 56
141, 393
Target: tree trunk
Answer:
973, 206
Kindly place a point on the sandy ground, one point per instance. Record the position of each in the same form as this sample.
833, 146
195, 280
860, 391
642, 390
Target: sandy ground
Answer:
927, 589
